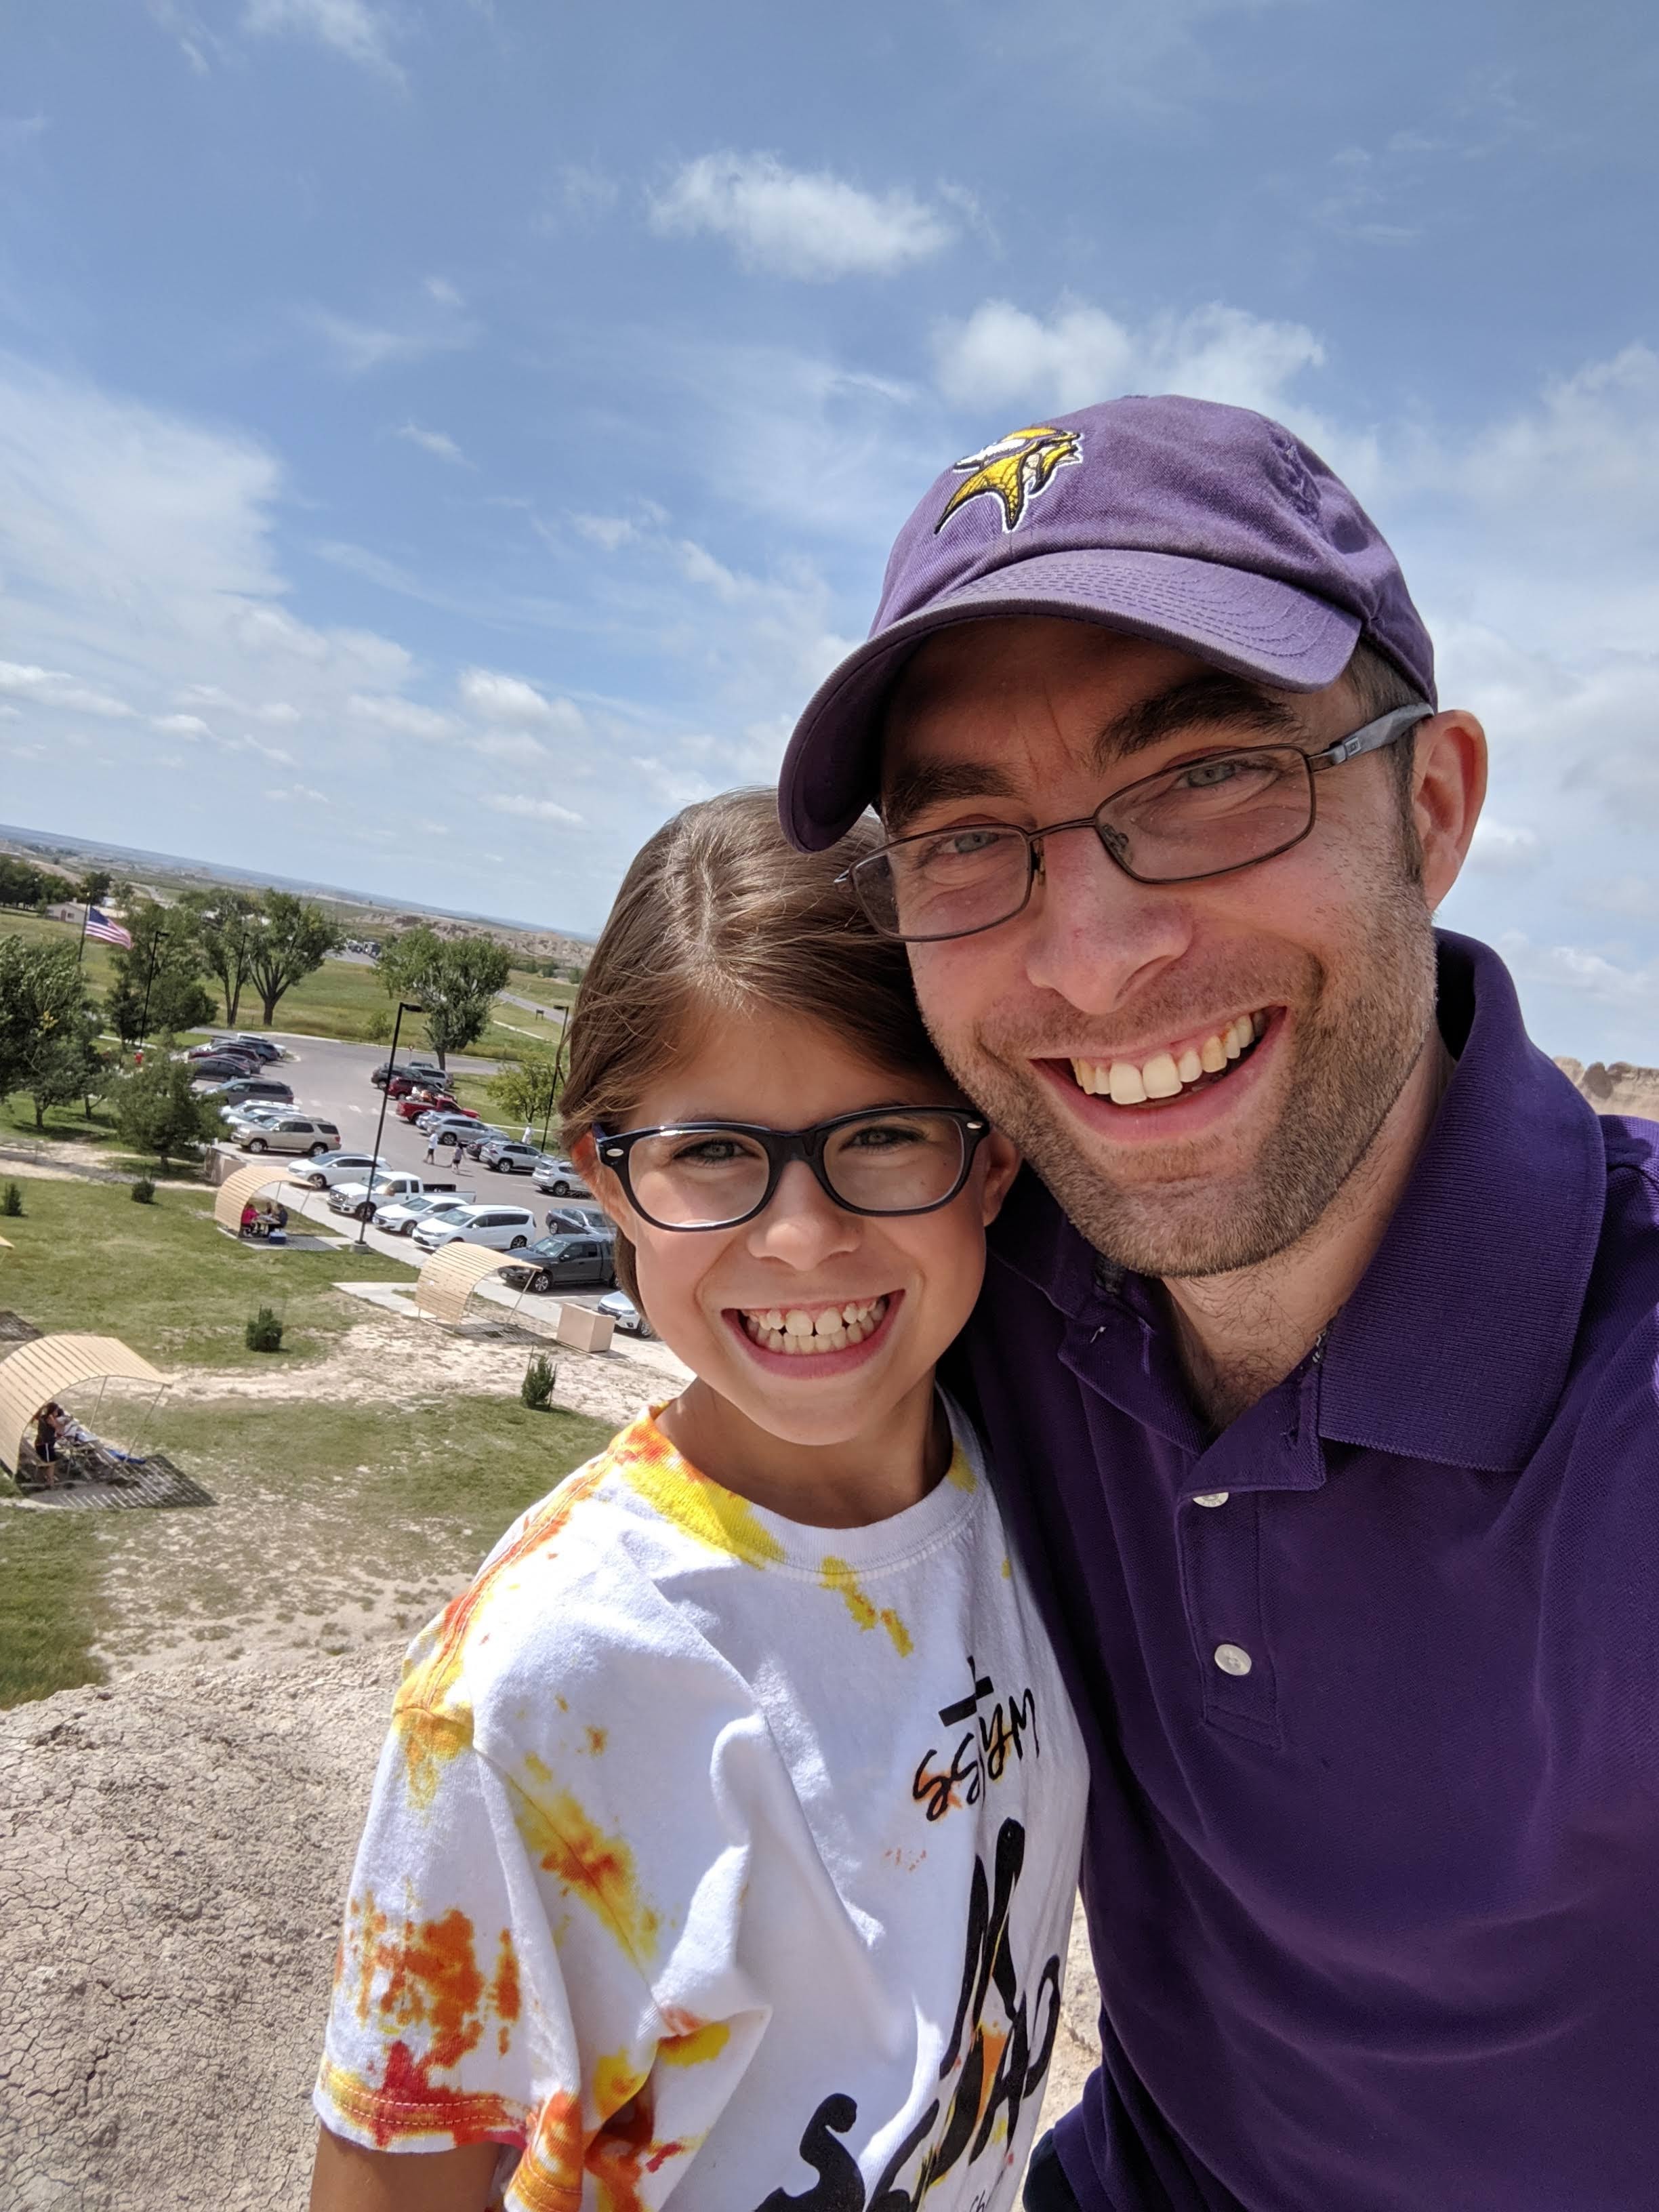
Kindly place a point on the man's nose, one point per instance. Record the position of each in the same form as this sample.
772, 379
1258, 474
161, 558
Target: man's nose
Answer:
803, 1226
1095, 936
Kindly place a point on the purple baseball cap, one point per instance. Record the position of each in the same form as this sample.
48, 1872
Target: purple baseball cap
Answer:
1205, 527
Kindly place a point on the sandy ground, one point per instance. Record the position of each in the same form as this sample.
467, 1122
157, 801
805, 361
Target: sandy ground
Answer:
173, 1850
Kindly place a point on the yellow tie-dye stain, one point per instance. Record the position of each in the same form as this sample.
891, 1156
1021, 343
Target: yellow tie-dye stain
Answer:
597, 1869
649, 1464
835, 1574
616, 2079
697, 2047
959, 1473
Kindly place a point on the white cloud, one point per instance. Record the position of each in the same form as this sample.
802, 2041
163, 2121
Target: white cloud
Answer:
1002, 357
612, 531
1504, 847
52, 687
509, 699
350, 28
541, 809
300, 793
360, 348
180, 726
792, 222
402, 717
507, 745
438, 443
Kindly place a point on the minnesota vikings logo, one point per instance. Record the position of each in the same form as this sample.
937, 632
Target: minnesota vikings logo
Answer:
1014, 471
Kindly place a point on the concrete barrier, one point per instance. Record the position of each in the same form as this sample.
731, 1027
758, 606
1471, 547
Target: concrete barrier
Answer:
583, 1329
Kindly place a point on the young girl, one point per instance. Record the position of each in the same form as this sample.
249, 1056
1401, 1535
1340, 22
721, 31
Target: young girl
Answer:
723, 1851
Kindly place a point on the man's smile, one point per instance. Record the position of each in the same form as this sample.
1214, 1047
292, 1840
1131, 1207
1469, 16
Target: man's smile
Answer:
1168, 1070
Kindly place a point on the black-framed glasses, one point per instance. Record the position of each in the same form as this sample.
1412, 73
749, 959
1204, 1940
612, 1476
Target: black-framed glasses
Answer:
717, 1174
1206, 817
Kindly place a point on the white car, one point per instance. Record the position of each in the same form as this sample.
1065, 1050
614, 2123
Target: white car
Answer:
405, 1215
253, 1115
328, 1168
559, 1178
503, 1228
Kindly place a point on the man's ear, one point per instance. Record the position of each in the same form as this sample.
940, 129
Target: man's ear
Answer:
1002, 1164
1448, 788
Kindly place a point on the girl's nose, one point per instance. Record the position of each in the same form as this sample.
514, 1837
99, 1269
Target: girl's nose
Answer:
803, 1226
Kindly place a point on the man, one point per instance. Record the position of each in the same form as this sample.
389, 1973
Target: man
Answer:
1319, 1366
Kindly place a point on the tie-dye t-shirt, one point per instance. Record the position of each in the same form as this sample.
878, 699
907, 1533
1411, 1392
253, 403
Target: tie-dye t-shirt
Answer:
717, 1860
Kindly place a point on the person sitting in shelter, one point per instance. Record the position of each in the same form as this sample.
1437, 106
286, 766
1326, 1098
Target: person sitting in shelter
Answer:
250, 1226
48, 1442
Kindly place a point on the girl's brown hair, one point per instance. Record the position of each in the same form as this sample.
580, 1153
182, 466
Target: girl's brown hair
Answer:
718, 915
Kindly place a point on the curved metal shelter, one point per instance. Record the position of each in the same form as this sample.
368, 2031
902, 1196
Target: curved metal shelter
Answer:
234, 1193
36, 1373
449, 1277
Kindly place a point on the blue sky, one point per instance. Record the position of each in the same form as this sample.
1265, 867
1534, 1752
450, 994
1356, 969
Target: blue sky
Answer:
437, 438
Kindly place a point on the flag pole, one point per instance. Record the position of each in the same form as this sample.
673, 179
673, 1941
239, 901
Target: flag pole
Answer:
85, 916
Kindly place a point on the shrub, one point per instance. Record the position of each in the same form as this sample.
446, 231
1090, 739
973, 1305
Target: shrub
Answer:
143, 1192
11, 1201
265, 1331
537, 1389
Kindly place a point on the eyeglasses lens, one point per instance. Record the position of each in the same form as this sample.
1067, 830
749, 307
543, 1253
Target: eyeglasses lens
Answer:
1200, 818
897, 1163
691, 1179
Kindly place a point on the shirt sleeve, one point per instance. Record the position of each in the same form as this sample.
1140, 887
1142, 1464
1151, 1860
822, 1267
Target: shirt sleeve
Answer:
477, 1999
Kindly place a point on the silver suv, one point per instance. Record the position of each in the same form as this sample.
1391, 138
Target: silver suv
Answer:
291, 1133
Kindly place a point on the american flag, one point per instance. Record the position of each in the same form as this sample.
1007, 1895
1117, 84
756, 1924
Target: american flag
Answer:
98, 925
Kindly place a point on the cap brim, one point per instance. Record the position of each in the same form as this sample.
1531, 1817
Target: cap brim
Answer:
1248, 624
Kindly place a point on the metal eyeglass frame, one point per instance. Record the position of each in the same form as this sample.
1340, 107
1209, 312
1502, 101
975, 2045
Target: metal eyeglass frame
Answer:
781, 1146
1371, 737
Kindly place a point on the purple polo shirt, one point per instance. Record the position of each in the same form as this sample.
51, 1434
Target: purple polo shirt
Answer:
1371, 1681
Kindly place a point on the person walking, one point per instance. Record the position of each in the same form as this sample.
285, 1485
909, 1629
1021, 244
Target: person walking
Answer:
1317, 1350
431, 1146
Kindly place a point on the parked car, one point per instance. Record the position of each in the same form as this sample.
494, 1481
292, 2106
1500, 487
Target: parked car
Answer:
402, 1216
559, 1178
332, 1165
567, 1263
218, 1066
294, 1132
625, 1313
503, 1228
422, 1101
478, 1134
509, 1156
413, 1071
261, 1047
361, 1196
578, 1221
215, 1049
252, 1090
432, 1116
246, 1110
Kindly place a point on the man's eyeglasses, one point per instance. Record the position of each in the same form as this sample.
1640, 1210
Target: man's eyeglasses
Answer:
1201, 817
717, 1174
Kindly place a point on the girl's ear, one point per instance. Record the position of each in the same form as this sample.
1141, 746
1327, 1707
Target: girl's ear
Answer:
1002, 1164
600, 1181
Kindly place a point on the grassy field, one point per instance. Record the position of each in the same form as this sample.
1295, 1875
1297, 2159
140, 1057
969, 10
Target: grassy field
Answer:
165, 1280
326, 1515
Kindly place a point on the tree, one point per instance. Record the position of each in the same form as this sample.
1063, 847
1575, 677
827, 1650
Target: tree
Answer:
93, 887
158, 983
156, 1111
227, 926
526, 1090
21, 884
454, 979
291, 939
48, 1031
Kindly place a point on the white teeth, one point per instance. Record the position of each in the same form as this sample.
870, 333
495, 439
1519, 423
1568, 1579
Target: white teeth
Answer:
1160, 1077
796, 1333
1128, 1082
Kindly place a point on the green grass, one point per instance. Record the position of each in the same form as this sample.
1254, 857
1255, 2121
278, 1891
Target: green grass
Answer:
97, 962
359, 1499
545, 990
165, 1280
50, 1604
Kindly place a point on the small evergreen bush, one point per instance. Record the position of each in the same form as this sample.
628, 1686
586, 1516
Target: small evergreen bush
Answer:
265, 1331
143, 1192
537, 1389
11, 1201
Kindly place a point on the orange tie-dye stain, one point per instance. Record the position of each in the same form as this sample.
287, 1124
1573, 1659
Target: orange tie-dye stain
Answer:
405, 2106
598, 1867
625, 2150
549, 2174
504, 1992
422, 1706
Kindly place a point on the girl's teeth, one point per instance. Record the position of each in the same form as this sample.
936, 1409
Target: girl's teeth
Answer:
797, 1333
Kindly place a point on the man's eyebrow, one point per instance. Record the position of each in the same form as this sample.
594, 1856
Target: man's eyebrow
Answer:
1214, 700
910, 790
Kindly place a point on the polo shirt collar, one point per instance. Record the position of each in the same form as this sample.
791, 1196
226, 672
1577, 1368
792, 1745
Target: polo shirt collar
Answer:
1456, 1344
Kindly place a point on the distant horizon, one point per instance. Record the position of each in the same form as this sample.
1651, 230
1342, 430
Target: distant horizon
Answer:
71, 843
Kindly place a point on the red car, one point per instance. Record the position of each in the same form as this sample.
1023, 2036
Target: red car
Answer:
424, 1101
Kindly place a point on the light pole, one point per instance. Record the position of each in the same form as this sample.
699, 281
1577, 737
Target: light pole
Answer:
404, 1007
143, 1019
553, 1081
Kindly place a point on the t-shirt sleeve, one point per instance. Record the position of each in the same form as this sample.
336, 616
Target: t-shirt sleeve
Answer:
451, 2020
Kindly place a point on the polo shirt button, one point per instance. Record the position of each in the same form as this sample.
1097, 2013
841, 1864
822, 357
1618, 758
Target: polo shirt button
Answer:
1233, 1659
1211, 1496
